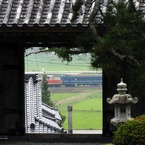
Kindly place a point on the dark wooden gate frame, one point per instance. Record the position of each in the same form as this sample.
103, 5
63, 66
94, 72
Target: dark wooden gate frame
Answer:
44, 37
25, 37
30, 23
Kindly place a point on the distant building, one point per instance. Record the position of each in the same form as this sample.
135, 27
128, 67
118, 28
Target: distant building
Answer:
39, 117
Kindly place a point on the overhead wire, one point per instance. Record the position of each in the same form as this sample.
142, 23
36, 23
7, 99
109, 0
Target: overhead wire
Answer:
52, 61
79, 64
36, 63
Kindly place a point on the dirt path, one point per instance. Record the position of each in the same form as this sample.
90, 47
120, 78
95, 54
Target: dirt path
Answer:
75, 98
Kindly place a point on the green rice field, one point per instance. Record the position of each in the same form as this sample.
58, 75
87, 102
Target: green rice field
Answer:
87, 109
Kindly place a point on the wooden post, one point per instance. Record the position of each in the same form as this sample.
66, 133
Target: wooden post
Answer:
69, 109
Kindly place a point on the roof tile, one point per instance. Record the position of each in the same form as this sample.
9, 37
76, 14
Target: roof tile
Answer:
37, 12
44, 12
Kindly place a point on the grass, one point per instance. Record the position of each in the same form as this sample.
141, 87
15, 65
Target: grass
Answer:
59, 96
93, 104
83, 120
87, 109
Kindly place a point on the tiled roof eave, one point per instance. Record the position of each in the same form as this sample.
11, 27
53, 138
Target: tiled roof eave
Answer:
46, 28
52, 13
45, 25
49, 123
49, 13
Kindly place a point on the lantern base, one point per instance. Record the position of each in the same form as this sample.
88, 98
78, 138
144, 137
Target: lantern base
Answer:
119, 121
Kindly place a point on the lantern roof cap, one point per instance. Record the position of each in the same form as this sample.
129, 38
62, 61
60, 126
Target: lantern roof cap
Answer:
121, 87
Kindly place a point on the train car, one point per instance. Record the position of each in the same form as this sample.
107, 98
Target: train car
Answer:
54, 82
80, 80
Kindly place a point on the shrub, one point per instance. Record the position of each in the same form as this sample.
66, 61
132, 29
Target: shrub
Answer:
131, 132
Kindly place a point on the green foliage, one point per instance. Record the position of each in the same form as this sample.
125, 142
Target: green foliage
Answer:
131, 132
63, 117
122, 41
119, 48
76, 9
86, 41
62, 53
45, 92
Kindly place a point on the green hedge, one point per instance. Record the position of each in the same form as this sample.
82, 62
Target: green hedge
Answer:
131, 132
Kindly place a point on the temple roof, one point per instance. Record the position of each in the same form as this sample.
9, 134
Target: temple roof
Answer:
48, 13
22, 13
42, 22
46, 22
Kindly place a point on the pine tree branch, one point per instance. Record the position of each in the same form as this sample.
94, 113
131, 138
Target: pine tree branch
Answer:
95, 10
127, 58
132, 5
71, 52
93, 15
36, 52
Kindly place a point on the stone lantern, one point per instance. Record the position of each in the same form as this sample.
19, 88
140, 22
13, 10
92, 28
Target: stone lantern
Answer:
122, 101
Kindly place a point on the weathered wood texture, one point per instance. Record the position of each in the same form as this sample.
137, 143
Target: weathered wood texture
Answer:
11, 89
